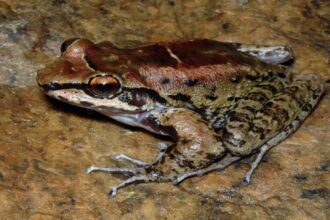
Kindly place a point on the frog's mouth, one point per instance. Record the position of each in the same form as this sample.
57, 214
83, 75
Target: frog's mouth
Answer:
138, 113
79, 97
74, 94
144, 117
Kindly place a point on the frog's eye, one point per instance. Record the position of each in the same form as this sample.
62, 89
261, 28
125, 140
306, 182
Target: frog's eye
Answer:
104, 86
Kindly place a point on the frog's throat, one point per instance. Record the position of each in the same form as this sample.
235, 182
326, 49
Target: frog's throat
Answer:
145, 119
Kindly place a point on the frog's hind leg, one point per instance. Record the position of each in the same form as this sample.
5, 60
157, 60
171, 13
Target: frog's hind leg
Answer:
271, 143
264, 148
269, 54
316, 93
248, 130
139, 163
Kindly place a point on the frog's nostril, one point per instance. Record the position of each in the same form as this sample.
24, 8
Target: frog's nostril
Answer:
67, 43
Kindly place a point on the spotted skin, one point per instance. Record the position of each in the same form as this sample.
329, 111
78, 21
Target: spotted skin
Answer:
249, 128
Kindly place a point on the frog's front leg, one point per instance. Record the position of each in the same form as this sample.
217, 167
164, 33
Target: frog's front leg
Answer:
197, 147
273, 118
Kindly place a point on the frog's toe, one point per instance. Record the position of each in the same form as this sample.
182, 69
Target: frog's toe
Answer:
136, 162
139, 163
94, 168
133, 179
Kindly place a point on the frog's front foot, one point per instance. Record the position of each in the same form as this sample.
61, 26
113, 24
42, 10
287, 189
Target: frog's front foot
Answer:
138, 175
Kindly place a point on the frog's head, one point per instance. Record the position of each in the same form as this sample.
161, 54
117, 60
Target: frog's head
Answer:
87, 76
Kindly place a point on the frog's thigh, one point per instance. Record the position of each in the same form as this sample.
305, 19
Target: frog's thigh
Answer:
197, 142
238, 122
269, 54
279, 117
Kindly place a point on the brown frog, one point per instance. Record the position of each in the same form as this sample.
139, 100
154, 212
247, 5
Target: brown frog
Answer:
218, 102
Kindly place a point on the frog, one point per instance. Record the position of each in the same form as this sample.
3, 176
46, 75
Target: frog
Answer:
218, 102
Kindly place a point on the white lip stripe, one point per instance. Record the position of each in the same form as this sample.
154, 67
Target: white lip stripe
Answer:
173, 55
77, 98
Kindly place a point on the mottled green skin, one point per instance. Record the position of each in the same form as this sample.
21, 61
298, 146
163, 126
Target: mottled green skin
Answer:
267, 110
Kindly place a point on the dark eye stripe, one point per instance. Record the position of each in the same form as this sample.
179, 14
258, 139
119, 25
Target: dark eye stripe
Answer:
58, 86
83, 86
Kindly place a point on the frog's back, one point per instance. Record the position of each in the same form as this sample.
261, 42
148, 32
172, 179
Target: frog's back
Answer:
195, 71
202, 73
167, 67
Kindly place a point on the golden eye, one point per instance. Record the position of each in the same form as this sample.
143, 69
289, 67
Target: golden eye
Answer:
104, 86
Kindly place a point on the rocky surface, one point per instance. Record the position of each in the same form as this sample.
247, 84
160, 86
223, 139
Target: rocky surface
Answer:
45, 145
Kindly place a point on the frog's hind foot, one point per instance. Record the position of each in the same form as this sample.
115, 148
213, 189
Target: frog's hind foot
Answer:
138, 175
139, 163
269, 54
220, 165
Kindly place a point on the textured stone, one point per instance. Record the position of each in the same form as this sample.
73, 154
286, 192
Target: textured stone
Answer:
46, 145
